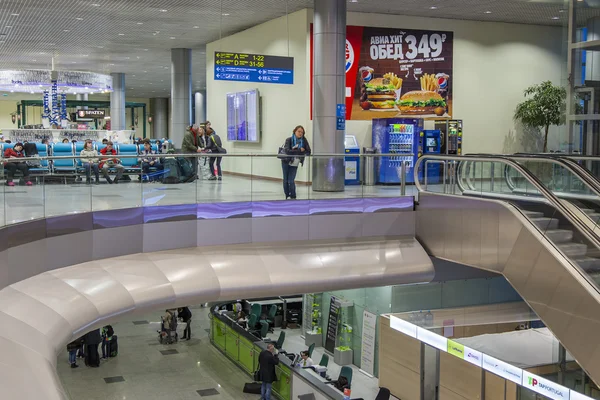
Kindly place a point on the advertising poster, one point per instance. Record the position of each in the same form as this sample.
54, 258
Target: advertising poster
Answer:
394, 72
367, 354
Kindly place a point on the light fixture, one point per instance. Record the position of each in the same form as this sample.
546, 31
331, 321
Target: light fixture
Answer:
488, 12
79, 19
555, 18
433, 8
140, 23
95, 5
112, 64
145, 49
121, 34
8, 26
561, 11
172, 37
74, 62
66, 30
196, 27
225, 14
163, 10
14, 15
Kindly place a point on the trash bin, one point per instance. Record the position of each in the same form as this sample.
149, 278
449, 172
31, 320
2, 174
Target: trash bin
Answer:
369, 166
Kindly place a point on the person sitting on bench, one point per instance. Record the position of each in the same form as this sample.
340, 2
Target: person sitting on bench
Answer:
11, 165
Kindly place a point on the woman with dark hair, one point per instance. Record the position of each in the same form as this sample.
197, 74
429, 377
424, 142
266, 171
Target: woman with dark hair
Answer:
11, 166
296, 147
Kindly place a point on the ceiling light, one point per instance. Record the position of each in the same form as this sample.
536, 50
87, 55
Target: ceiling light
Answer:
433, 8
555, 18
163, 10
196, 27
100, 47
145, 71
561, 11
74, 62
132, 75
31, 92
15, 15
95, 5
12, 91
172, 37
488, 12
66, 30
225, 14
79, 19
121, 34
145, 49
8, 26
140, 23
112, 64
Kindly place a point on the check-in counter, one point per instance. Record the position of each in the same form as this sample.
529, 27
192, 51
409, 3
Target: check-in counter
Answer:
243, 348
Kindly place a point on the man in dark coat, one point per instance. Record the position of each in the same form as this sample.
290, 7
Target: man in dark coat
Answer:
92, 340
267, 360
186, 316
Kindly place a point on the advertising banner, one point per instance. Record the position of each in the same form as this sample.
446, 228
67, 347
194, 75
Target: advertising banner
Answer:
367, 353
394, 72
332, 324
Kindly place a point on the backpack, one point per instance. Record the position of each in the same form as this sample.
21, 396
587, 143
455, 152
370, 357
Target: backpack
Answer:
109, 331
186, 169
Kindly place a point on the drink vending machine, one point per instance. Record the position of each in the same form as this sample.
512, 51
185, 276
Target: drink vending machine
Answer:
401, 138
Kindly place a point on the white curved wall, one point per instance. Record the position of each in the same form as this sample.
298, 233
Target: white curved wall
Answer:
41, 314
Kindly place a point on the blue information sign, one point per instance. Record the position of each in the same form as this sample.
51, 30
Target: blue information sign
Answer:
259, 68
340, 124
340, 111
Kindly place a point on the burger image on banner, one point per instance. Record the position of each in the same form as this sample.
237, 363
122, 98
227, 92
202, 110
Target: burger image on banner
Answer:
379, 94
421, 102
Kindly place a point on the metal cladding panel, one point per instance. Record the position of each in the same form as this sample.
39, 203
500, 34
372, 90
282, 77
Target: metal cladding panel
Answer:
45, 312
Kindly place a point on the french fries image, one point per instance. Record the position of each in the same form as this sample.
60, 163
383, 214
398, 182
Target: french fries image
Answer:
394, 79
429, 83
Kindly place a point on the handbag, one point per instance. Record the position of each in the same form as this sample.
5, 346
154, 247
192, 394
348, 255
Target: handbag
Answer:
295, 162
282, 153
256, 375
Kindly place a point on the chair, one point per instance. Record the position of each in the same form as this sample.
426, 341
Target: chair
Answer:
279, 343
384, 394
264, 329
346, 372
66, 165
42, 150
130, 163
256, 310
311, 348
324, 361
271, 317
252, 322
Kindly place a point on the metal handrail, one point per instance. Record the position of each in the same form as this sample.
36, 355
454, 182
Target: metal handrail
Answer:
584, 229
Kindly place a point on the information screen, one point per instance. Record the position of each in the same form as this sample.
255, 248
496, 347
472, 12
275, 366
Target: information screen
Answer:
243, 119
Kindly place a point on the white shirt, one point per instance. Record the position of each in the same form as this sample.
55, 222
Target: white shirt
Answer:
307, 363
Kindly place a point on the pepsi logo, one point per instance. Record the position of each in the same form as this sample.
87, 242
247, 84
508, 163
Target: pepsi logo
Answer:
442, 80
349, 56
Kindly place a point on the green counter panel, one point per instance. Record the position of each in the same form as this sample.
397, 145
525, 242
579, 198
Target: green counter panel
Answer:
246, 357
231, 344
219, 334
282, 387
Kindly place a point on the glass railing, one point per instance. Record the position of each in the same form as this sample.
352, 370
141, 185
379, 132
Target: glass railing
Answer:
59, 184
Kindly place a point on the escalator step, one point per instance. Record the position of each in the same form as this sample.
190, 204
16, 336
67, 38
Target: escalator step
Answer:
545, 223
589, 264
533, 214
559, 235
573, 250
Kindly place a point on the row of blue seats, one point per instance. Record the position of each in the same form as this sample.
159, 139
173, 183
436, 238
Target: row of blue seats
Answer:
75, 165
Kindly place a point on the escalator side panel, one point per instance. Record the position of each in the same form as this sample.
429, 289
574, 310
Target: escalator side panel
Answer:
567, 303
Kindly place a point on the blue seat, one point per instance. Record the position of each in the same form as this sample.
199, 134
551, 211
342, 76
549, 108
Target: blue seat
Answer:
63, 165
130, 164
42, 150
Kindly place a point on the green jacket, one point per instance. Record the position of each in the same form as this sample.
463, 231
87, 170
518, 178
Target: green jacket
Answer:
190, 142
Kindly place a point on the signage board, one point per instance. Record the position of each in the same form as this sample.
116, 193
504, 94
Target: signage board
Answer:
466, 353
502, 369
383, 64
260, 68
332, 324
94, 114
367, 352
545, 387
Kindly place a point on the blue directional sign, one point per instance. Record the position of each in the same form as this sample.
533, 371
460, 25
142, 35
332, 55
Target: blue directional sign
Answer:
340, 111
259, 68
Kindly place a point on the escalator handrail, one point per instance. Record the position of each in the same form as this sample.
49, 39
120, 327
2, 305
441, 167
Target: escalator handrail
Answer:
584, 229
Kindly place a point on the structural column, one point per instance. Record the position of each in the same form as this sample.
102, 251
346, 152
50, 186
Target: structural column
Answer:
159, 110
200, 107
181, 94
329, 77
117, 102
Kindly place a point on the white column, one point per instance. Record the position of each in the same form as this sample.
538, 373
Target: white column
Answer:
159, 109
200, 108
181, 94
329, 77
117, 102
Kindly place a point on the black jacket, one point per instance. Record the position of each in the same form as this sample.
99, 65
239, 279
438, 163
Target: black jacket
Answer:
289, 150
93, 337
214, 143
267, 362
185, 314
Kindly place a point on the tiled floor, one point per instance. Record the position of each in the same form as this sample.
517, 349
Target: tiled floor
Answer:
19, 204
198, 369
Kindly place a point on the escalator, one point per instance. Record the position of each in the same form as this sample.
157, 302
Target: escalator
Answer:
526, 226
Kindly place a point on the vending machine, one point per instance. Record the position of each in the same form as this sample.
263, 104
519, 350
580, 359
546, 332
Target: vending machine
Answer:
399, 137
431, 143
452, 132
352, 161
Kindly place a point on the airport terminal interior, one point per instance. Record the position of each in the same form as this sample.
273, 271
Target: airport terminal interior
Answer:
300, 199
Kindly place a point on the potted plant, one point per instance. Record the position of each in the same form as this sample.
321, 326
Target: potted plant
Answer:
343, 354
544, 106
315, 334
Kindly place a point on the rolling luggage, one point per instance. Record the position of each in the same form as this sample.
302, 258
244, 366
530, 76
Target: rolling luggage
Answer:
171, 171
186, 169
113, 349
252, 388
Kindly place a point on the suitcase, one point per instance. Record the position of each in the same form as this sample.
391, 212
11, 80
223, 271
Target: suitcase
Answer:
252, 388
113, 346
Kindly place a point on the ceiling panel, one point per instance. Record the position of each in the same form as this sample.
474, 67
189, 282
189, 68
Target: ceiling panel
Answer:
135, 36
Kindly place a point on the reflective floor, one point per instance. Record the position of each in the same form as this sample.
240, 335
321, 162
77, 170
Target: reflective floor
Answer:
142, 372
22, 203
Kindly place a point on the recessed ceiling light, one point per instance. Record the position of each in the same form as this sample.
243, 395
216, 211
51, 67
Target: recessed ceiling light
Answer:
145, 71
8, 26
66, 30
132, 75
79, 19
145, 49
488, 12
15, 15
561, 11
140, 23
225, 14
555, 18
112, 64
433, 8
74, 62
100, 47
121, 34
172, 37
163, 10
95, 5
196, 27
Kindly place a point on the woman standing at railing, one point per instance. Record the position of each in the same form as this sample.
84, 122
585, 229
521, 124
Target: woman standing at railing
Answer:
90, 159
296, 147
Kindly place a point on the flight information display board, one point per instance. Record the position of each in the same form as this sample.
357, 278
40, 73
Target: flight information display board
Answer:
245, 67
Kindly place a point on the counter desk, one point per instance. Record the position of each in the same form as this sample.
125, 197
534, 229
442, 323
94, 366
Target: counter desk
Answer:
243, 348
